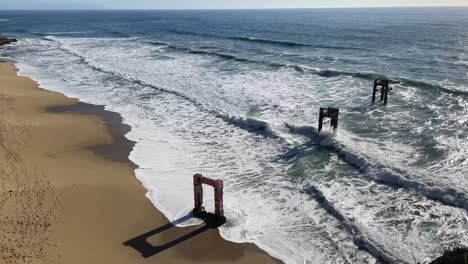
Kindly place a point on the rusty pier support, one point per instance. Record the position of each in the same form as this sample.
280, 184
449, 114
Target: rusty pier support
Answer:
384, 89
199, 210
330, 112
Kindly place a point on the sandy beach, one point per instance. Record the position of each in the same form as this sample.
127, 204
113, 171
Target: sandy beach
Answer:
69, 194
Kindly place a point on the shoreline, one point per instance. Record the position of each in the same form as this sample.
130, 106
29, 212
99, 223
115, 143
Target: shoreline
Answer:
120, 146
96, 202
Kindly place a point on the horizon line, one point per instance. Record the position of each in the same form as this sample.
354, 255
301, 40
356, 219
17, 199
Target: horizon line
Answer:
223, 9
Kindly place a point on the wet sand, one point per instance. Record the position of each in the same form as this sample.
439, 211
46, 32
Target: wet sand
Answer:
69, 193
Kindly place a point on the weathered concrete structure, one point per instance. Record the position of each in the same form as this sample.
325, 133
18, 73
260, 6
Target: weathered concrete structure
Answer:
199, 210
330, 112
384, 89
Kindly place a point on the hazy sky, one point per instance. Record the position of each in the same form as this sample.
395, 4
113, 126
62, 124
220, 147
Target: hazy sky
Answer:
216, 4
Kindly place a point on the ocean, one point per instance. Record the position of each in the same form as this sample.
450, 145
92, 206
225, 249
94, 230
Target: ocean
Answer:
235, 95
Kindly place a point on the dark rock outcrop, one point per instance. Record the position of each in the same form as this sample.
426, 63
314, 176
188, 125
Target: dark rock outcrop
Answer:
4, 40
456, 256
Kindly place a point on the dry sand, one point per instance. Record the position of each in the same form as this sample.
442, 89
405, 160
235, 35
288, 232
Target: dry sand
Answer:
69, 195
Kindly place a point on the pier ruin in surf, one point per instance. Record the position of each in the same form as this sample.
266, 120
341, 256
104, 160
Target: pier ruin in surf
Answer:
199, 210
330, 112
384, 89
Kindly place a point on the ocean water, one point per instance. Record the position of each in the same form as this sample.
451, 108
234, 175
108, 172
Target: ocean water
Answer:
235, 95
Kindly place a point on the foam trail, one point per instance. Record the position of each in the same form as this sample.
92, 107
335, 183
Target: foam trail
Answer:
165, 169
396, 177
383, 174
250, 124
339, 215
322, 72
268, 41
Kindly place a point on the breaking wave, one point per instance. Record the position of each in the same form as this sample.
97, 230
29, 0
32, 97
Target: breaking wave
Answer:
397, 177
294, 44
269, 41
380, 173
329, 73
360, 238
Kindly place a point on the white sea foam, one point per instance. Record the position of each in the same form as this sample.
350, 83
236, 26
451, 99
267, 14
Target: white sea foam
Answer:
60, 33
380, 166
170, 189
177, 135
461, 62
